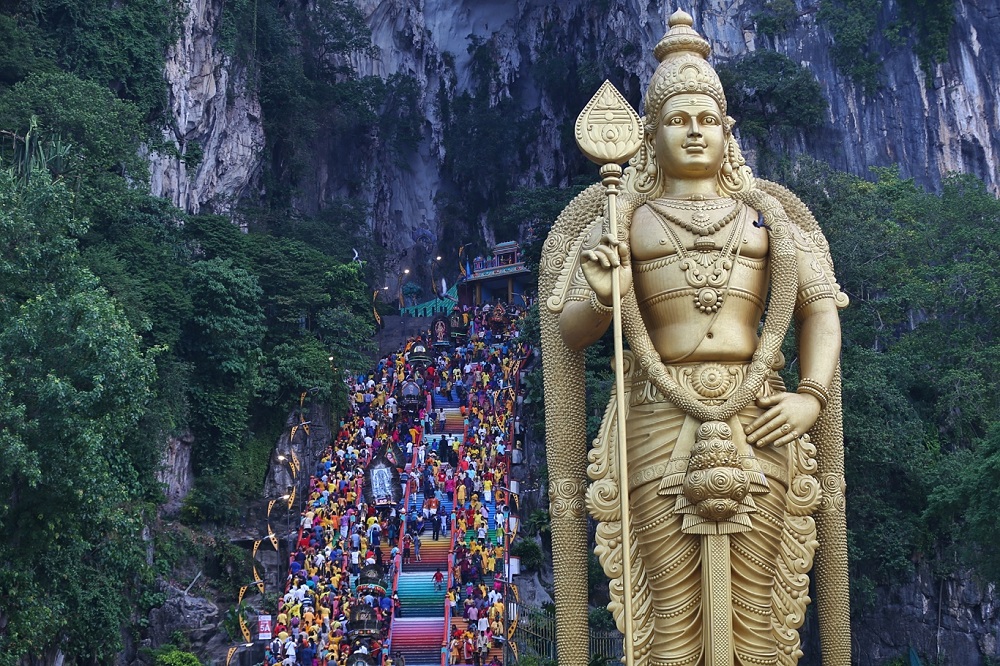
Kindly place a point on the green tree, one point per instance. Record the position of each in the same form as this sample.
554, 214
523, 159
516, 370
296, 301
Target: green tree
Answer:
769, 92
104, 133
170, 655
853, 24
920, 358
223, 345
74, 383
23, 50
118, 46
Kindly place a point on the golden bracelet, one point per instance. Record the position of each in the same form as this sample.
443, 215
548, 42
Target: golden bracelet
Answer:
599, 307
815, 389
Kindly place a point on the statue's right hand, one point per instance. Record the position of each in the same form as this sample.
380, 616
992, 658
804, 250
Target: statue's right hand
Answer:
599, 259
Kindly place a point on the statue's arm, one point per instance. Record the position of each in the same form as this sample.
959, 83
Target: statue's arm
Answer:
587, 312
816, 318
819, 341
581, 325
789, 415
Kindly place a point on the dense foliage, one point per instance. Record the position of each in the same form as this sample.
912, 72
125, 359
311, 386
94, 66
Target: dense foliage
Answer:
74, 382
124, 322
769, 94
118, 45
920, 361
775, 18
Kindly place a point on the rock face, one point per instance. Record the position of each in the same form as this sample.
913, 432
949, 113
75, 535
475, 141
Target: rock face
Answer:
949, 123
195, 617
299, 454
176, 473
214, 141
953, 622
928, 128
949, 622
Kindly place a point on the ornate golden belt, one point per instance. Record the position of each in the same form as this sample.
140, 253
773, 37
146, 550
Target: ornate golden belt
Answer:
711, 382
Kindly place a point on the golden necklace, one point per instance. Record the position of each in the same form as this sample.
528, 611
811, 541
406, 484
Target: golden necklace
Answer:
700, 223
707, 270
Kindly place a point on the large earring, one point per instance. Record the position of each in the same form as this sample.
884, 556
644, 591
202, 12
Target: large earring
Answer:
734, 176
641, 176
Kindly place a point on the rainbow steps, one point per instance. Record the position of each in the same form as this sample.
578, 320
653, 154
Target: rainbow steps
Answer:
418, 639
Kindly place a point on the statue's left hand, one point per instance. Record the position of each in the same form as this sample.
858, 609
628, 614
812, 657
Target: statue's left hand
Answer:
788, 417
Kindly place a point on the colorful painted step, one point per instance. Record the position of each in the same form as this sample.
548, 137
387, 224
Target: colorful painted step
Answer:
418, 638
418, 596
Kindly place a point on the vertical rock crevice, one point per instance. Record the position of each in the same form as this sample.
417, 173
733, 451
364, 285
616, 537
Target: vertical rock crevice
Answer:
212, 146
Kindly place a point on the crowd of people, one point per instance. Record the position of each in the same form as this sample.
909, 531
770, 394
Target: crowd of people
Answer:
340, 534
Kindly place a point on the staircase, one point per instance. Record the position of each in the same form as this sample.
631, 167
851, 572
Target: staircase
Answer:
420, 629
418, 632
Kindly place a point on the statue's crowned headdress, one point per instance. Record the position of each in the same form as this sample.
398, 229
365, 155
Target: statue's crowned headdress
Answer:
683, 68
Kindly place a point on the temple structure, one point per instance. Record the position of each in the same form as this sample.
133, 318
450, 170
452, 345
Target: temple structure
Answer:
501, 277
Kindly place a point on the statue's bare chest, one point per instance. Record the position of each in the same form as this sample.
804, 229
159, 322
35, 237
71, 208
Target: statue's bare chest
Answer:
654, 236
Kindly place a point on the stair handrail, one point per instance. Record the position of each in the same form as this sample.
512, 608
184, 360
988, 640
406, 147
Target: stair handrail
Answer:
402, 533
449, 579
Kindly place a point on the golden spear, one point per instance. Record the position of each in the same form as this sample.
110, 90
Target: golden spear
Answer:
608, 132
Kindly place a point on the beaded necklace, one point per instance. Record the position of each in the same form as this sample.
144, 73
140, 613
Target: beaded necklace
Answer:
706, 270
700, 223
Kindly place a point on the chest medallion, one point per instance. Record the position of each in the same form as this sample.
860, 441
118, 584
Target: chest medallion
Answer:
706, 269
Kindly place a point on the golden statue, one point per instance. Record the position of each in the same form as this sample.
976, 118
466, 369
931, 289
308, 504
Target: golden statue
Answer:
731, 485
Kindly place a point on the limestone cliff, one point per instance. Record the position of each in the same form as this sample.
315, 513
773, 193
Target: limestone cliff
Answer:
214, 139
949, 123
175, 473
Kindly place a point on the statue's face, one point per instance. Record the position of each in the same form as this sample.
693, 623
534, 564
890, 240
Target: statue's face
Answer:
690, 140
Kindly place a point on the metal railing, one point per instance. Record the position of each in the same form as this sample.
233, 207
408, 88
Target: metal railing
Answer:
398, 569
536, 635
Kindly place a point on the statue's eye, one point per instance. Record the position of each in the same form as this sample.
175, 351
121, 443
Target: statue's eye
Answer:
710, 120
676, 120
